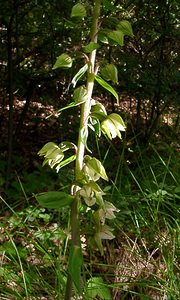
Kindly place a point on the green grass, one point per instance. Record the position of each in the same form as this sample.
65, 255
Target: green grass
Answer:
148, 196
31, 255
141, 263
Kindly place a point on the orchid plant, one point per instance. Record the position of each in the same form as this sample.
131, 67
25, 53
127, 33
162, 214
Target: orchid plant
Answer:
85, 190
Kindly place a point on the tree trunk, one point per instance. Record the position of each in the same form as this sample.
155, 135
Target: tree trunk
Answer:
11, 102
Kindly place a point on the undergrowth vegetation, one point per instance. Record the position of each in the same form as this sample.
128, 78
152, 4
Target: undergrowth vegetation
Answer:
142, 262
62, 235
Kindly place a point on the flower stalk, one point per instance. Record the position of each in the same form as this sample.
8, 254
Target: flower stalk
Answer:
83, 129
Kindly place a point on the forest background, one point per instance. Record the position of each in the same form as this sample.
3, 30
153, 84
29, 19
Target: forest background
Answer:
142, 261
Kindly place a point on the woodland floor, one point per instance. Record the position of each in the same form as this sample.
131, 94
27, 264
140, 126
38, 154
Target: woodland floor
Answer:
129, 261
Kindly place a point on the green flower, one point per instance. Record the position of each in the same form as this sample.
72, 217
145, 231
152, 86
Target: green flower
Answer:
88, 195
104, 233
93, 169
92, 193
53, 155
109, 210
112, 126
105, 212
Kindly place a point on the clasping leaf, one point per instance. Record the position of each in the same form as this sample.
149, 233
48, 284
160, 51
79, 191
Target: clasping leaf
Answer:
109, 72
54, 199
80, 95
117, 36
125, 27
79, 74
107, 86
90, 47
78, 11
75, 263
63, 61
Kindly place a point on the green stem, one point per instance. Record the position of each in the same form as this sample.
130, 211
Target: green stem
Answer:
85, 110
85, 107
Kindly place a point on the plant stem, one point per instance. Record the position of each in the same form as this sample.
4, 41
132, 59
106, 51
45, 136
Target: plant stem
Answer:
85, 107
85, 110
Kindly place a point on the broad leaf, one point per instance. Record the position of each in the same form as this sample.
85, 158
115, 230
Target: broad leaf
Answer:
117, 36
75, 263
78, 11
107, 86
54, 199
96, 187
79, 74
63, 61
90, 47
96, 288
102, 37
80, 95
98, 110
125, 27
109, 72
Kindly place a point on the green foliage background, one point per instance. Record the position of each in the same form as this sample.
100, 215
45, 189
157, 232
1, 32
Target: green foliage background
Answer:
143, 170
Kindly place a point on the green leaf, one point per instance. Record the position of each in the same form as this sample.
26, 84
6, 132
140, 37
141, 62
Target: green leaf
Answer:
102, 37
84, 136
54, 199
109, 72
79, 74
70, 105
98, 110
65, 162
98, 242
96, 288
80, 95
95, 125
75, 263
78, 11
117, 36
90, 47
177, 190
96, 187
63, 61
125, 27
107, 86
